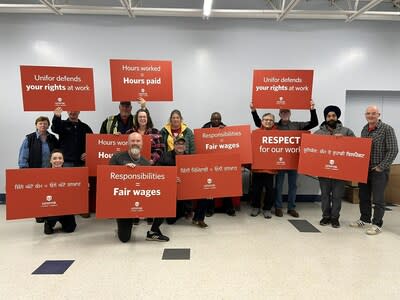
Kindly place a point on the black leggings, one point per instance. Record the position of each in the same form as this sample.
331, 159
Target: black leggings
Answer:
125, 228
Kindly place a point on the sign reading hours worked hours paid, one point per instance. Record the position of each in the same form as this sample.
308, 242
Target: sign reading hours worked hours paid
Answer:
46, 88
148, 79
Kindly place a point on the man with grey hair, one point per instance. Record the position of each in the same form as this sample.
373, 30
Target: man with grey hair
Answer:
383, 152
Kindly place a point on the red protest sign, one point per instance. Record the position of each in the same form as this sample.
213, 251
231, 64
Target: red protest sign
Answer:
149, 79
45, 192
282, 88
46, 88
337, 157
101, 147
135, 192
276, 149
230, 139
209, 176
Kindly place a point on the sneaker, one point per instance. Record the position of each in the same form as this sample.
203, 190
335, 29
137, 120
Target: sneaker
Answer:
325, 221
48, 229
231, 212
335, 223
136, 221
278, 212
255, 212
373, 230
267, 214
209, 212
359, 224
293, 213
201, 224
156, 236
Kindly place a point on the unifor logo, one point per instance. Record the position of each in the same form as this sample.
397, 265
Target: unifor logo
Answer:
49, 198
331, 162
137, 203
209, 180
59, 99
280, 158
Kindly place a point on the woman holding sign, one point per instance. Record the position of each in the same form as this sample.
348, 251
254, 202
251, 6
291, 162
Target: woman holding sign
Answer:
68, 223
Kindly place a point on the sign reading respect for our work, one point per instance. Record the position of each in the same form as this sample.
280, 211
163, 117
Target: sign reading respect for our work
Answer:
282, 88
209, 176
276, 149
148, 79
45, 192
101, 147
230, 139
143, 191
46, 88
336, 157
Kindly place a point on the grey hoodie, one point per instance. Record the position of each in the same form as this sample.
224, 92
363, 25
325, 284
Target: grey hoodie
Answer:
340, 129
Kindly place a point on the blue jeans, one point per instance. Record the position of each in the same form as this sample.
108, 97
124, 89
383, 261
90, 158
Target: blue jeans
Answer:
292, 179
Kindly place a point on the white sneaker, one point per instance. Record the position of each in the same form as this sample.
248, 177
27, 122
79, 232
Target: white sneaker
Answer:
373, 230
267, 214
359, 224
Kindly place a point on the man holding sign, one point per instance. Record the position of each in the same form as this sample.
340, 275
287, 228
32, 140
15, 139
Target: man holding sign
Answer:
383, 152
132, 158
332, 190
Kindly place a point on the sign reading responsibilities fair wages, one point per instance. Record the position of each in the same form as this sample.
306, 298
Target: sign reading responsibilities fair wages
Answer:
209, 176
282, 88
336, 157
230, 139
46, 88
101, 147
149, 79
143, 191
276, 149
45, 192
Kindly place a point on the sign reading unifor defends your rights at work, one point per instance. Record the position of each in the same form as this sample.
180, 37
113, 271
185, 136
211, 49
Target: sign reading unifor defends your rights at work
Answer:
282, 88
142, 191
45, 192
46, 88
148, 79
337, 157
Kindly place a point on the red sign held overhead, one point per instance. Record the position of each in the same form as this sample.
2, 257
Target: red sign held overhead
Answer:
149, 79
230, 139
101, 147
142, 191
282, 88
276, 149
45, 192
209, 176
338, 157
46, 88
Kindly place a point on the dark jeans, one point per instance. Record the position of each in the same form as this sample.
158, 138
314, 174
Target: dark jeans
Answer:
227, 204
200, 211
292, 190
68, 223
261, 180
183, 208
125, 228
332, 193
375, 187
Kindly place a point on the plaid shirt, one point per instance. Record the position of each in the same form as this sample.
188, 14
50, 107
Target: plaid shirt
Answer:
384, 145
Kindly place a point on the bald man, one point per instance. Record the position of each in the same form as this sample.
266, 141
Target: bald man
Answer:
383, 152
133, 158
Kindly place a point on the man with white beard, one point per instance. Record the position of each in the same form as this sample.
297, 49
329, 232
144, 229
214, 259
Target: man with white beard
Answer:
132, 158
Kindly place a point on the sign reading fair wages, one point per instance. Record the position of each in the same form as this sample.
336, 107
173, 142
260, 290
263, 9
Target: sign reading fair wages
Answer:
101, 147
209, 176
282, 88
335, 157
276, 149
149, 79
46, 88
230, 139
142, 191
45, 192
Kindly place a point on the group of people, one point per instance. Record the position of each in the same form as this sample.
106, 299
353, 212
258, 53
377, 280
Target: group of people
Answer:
42, 149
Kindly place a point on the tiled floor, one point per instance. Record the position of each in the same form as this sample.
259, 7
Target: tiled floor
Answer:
235, 258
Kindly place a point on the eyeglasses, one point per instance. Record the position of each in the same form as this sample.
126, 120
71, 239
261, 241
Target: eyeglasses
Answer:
268, 120
371, 113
